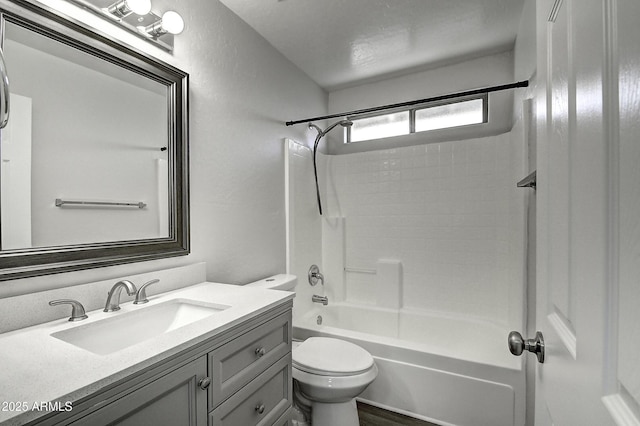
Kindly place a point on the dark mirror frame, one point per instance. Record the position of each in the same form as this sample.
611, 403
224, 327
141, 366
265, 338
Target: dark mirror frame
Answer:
31, 262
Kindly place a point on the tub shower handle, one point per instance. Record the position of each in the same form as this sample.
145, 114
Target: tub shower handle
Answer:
517, 345
315, 275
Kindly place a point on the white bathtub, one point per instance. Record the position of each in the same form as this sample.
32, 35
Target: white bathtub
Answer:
447, 370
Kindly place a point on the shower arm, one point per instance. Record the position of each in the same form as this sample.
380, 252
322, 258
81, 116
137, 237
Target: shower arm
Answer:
330, 128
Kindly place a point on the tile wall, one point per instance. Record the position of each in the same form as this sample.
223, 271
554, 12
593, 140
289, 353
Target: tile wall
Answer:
450, 212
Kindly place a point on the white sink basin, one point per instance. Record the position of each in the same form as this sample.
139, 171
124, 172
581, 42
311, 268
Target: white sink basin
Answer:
110, 335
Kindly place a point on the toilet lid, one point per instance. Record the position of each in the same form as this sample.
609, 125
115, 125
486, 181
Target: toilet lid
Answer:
331, 357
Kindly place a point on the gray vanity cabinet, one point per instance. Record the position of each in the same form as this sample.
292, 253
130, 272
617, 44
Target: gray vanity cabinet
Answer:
241, 377
173, 399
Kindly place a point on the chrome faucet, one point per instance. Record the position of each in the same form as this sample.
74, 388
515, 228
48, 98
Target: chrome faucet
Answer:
315, 275
320, 299
77, 310
141, 294
113, 299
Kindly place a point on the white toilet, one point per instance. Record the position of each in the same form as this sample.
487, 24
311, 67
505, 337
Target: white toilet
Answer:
329, 373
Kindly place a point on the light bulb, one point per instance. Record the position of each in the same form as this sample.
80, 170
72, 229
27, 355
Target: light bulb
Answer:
172, 22
140, 7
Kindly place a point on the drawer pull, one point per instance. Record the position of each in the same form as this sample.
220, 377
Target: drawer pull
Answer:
260, 352
204, 383
260, 408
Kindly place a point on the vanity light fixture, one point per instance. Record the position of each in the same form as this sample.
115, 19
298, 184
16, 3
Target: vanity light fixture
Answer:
171, 22
124, 8
136, 16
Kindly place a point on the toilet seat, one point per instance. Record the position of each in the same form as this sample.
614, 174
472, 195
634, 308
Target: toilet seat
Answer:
326, 356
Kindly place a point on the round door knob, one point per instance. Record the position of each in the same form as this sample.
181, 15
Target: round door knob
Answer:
204, 383
260, 408
260, 352
517, 345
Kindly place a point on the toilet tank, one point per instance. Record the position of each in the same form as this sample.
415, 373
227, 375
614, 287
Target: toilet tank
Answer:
285, 282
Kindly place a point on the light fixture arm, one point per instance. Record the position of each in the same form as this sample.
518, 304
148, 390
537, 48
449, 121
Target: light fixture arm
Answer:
119, 9
154, 30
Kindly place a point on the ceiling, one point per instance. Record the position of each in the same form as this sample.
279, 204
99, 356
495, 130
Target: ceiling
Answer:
340, 43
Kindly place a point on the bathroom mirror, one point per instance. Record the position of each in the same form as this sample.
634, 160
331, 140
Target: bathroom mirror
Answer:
94, 157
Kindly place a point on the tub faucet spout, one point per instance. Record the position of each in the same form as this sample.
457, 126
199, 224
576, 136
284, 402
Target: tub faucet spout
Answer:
320, 299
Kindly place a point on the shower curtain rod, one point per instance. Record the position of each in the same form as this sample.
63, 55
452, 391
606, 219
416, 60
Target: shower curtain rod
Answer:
524, 83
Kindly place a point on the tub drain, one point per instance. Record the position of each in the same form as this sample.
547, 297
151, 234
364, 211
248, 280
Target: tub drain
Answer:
319, 320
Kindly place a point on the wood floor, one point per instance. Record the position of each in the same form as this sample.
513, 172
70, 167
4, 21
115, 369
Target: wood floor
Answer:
374, 416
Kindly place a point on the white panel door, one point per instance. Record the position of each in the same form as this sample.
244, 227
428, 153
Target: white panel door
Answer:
624, 376
588, 289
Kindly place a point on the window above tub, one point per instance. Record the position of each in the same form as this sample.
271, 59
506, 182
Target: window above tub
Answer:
421, 118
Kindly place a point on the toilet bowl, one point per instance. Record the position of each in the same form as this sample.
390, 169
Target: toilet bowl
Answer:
330, 373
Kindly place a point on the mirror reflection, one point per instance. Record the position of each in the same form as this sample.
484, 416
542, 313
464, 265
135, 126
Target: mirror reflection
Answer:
82, 130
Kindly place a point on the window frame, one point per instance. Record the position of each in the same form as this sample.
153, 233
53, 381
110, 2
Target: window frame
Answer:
412, 115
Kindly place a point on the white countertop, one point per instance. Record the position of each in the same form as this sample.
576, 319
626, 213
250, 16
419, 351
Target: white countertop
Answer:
35, 367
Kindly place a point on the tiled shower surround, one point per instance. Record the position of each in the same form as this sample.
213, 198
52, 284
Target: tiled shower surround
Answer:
450, 212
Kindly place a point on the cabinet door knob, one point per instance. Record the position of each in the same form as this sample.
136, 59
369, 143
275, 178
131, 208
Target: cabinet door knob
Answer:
204, 383
260, 408
260, 352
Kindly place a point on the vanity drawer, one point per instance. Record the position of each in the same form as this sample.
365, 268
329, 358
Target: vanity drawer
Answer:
236, 363
285, 419
264, 401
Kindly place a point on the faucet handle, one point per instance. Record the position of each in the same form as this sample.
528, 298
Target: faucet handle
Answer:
315, 275
77, 310
141, 294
